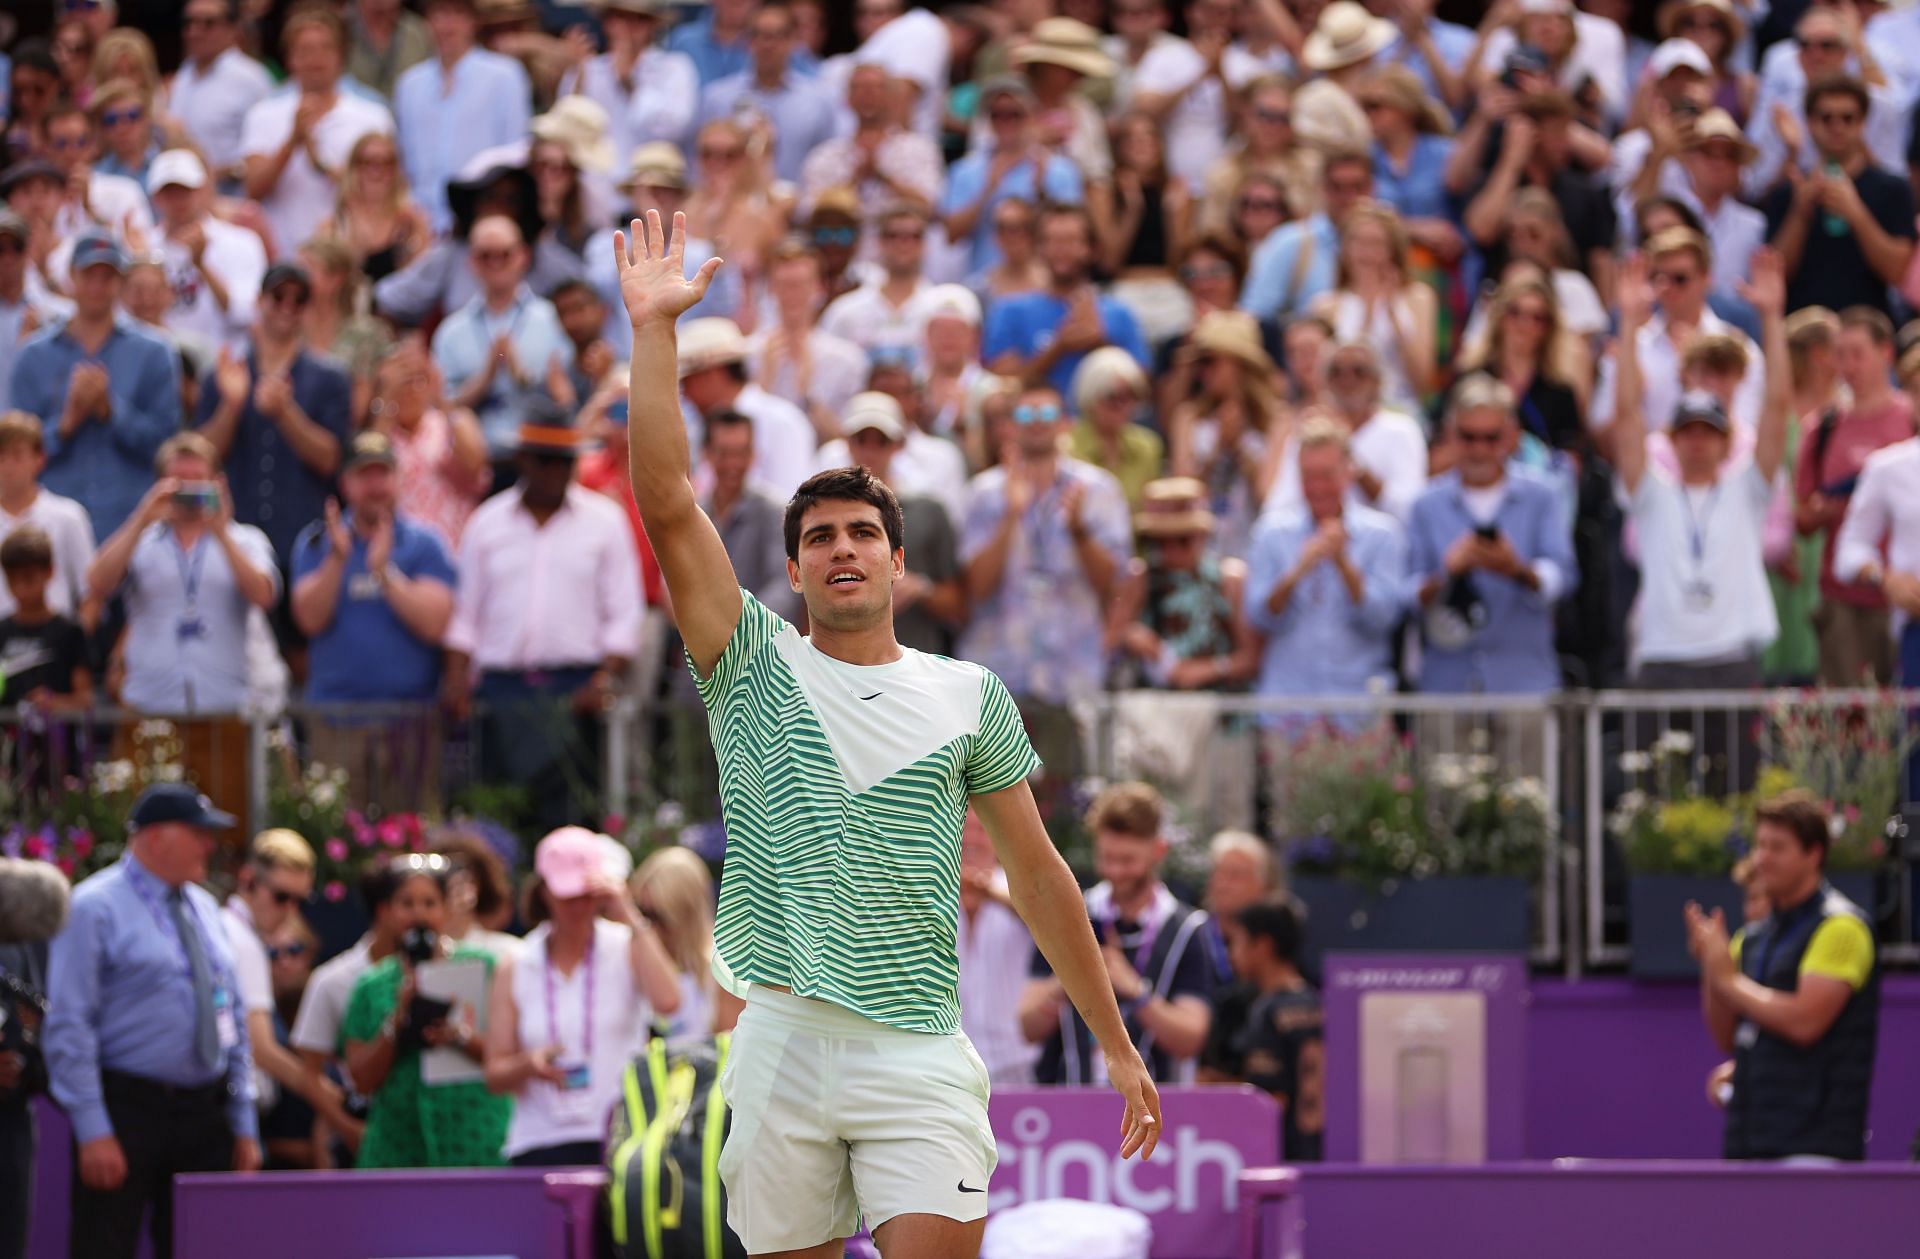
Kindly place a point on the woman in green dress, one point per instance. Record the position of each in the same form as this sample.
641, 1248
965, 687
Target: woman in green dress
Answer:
411, 1123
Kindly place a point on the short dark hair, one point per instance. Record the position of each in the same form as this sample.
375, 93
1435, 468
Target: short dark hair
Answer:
1660, 201
1837, 85
383, 882
572, 284
843, 485
35, 54
726, 417
1128, 808
1870, 321
1221, 246
474, 856
26, 548
1066, 210
1280, 919
1798, 813
1346, 157
67, 108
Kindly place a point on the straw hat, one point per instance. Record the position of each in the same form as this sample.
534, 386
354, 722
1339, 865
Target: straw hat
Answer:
656, 164
1064, 41
1718, 124
578, 125
1235, 334
709, 342
1401, 89
1174, 507
1346, 35
491, 12
1671, 12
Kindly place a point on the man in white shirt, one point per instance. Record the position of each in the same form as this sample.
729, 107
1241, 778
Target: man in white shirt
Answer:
792, 357
1885, 513
1705, 611
713, 377
1679, 262
214, 268
458, 104
295, 143
919, 47
1599, 53
1179, 84
889, 313
649, 93
93, 200
1646, 160
23, 456
216, 84
546, 621
1388, 448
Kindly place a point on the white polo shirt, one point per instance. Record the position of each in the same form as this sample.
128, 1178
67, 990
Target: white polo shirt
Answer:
304, 198
237, 257
211, 102
69, 528
1703, 581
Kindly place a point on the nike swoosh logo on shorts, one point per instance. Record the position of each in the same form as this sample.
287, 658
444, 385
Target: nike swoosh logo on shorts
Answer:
877, 695
964, 1189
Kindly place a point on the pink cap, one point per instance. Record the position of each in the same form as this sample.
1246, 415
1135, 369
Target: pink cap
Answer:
570, 861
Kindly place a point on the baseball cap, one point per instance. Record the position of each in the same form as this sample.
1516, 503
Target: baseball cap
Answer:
177, 802
1697, 406
1678, 54
875, 410
176, 167
12, 225
571, 860
709, 342
97, 249
31, 168
286, 273
371, 446
953, 301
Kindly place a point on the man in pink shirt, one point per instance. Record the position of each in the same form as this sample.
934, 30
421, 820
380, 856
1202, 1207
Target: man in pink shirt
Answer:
1855, 646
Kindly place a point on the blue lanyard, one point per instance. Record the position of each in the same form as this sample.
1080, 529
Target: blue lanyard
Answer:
1697, 523
586, 1002
190, 569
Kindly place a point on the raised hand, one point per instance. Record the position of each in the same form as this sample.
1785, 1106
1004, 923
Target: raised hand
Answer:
1633, 291
339, 538
231, 378
1765, 288
653, 271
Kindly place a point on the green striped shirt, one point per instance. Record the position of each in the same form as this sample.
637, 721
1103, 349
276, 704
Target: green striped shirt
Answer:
844, 788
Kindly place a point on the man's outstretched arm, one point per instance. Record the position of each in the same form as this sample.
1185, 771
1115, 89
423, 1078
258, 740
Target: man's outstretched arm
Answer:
653, 284
1048, 901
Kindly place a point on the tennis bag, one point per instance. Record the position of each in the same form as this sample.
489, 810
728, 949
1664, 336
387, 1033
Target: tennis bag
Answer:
663, 1148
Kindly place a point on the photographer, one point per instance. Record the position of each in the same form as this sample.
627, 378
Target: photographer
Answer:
389, 1026
33, 905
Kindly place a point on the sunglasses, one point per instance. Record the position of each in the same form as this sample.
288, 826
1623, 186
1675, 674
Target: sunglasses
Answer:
1470, 438
1266, 205
1194, 272
297, 949
1045, 413
489, 257
1007, 115
288, 296
114, 117
1703, 23
836, 235
1679, 279
721, 155
903, 233
1277, 117
1822, 45
283, 897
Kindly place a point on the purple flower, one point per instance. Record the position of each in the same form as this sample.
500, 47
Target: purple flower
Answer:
66, 866
708, 839
390, 833
335, 890
80, 839
11, 841
336, 850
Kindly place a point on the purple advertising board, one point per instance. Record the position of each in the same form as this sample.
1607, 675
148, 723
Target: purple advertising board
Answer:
1065, 1143
1449, 1026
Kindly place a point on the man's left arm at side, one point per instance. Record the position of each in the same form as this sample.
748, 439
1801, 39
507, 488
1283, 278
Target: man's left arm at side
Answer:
72, 1034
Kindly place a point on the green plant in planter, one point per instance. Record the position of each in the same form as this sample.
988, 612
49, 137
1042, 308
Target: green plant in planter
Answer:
1665, 823
1353, 807
1852, 757
1485, 823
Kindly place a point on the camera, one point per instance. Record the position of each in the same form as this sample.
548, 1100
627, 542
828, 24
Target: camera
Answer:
198, 496
1524, 59
420, 944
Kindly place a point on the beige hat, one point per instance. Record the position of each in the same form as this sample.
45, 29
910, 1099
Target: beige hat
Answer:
643, 8
877, 411
709, 342
952, 301
1401, 89
1668, 18
578, 125
657, 164
1346, 35
1173, 507
1065, 41
1718, 124
499, 11
1233, 333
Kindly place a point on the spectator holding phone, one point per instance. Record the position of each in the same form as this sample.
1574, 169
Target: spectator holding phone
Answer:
1855, 646
390, 1026
571, 1006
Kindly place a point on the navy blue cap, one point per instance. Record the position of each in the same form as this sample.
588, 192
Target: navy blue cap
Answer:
1697, 406
98, 249
177, 802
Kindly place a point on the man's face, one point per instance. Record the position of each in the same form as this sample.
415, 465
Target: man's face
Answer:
70, 142
1824, 47
1064, 248
903, 245
796, 288
872, 450
188, 469
453, 26
1243, 951
1700, 449
770, 41
730, 454
1862, 359
1344, 185
1324, 477
370, 491
1684, 84
271, 894
1679, 281
846, 566
176, 853
1836, 124
867, 93
147, 295
582, 317
951, 340
282, 308
96, 289
1010, 118
36, 200
205, 29
870, 15
1715, 168
1036, 423
1354, 383
313, 59
1233, 884
20, 468
1211, 17
499, 257
1486, 438
28, 586
547, 477
32, 92
1781, 866
176, 206
1130, 865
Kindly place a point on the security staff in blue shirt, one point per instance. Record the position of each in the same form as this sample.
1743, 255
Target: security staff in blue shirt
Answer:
144, 1038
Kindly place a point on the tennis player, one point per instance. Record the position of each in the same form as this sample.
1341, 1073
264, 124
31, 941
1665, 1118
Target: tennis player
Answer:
847, 763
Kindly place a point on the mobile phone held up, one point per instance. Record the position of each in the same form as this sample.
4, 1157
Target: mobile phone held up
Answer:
202, 497
1487, 533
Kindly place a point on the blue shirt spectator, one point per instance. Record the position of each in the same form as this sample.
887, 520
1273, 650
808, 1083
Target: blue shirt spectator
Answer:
1050, 178
1026, 325
445, 118
105, 462
1053, 330
715, 58
1506, 532
799, 110
1454, 43
1417, 187
1322, 638
366, 652
127, 998
463, 348
1296, 263
277, 477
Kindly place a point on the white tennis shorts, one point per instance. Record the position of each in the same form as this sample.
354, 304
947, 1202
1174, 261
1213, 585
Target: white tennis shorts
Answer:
835, 1115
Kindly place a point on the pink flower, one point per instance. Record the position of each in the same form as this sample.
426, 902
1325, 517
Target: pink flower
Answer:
336, 850
1851, 813
363, 836
35, 848
613, 823
335, 891
1402, 783
66, 866
81, 840
390, 833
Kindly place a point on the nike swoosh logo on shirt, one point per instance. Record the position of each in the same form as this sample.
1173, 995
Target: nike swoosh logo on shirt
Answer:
964, 1189
875, 695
